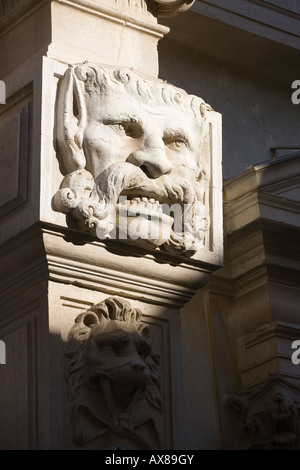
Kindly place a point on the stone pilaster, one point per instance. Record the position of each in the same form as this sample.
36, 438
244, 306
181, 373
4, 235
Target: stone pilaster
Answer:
54, 272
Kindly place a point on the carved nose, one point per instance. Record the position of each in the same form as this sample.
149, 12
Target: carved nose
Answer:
138, 366
152, 161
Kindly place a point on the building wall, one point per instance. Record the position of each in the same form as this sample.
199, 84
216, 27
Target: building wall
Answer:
246, 76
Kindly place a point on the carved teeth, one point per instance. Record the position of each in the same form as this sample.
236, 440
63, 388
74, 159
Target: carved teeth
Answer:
149, 203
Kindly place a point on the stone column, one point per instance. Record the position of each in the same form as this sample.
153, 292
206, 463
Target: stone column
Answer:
89, 312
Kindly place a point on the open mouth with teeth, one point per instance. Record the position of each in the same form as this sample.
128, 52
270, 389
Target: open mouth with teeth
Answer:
142, 203
147, 218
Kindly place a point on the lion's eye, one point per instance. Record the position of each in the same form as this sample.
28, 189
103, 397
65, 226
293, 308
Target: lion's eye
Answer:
143, 348
94, 380
105, 348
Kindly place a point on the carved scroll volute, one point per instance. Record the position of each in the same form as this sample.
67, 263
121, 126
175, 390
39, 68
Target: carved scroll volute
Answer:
112, 376
172, 8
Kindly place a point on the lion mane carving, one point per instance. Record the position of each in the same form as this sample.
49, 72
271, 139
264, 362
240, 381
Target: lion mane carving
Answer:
112, 379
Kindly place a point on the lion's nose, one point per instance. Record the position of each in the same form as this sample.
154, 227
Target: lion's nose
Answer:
138, 366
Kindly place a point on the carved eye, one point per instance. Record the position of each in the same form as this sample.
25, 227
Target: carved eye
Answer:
94, 380
105, 348
130, 128
175, 143
143, 348
120, 127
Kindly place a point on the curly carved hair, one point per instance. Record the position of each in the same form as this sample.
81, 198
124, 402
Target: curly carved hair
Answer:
98, 80
112, 308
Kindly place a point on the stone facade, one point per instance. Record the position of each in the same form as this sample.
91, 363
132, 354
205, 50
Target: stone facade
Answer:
149, 297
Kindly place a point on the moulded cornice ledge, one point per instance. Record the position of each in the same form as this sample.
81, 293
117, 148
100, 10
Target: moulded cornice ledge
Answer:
262, 177
133, 17
93, 265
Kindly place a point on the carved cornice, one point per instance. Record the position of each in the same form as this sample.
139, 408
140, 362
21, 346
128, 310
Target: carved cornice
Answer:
93, 266
148, 8
281, 9
61, 256
268, 190
136, 18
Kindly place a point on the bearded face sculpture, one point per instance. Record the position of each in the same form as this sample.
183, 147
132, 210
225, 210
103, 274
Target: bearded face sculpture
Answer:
135, 153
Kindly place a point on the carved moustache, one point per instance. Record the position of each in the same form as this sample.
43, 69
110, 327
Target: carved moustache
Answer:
127, 180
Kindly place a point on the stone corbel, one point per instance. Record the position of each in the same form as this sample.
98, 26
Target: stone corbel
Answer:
116, 177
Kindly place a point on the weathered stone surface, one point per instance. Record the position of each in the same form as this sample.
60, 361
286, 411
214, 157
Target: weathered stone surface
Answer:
112, 373
138, 158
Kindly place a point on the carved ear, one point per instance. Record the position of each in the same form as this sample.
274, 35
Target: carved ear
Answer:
71, 121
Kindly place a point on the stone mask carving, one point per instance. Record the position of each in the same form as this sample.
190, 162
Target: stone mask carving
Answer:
112, 377
135, 153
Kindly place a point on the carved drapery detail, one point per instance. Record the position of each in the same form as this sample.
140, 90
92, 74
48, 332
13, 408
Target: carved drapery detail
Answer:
112, 379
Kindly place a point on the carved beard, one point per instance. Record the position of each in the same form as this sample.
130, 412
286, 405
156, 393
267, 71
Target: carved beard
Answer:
124, 179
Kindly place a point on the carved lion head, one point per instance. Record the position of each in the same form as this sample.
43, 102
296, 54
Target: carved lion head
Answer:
108, 344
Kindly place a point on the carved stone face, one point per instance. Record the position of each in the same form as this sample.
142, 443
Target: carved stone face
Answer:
139, 139
118, 351
159, 140
112, 374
